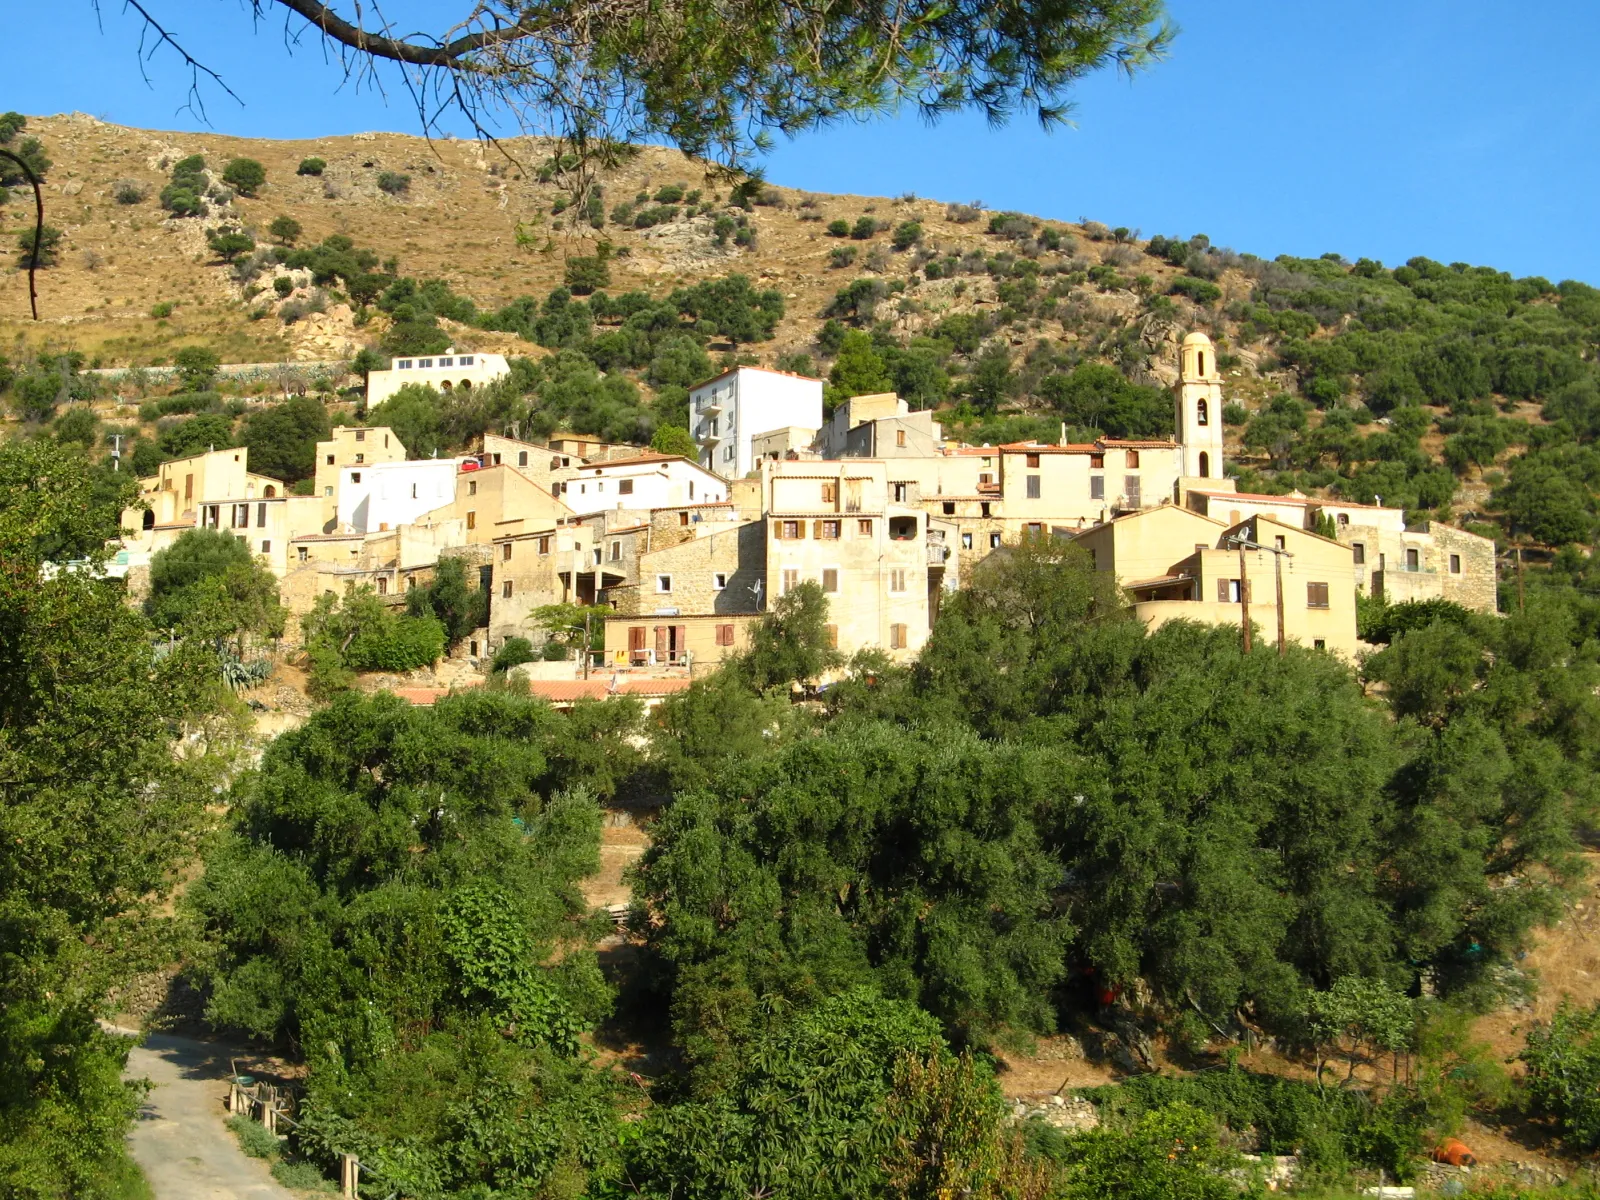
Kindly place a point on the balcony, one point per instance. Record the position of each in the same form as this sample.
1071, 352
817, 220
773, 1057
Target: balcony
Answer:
938, 555
711, 408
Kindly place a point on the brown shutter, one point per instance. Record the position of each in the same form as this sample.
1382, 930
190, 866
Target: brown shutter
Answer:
1222, 591
683, 640
661, 641
636, 637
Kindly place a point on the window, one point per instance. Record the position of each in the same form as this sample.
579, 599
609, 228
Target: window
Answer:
983, 509
544, 544
724, 635
1455, 564
830, 492
1035, 529
897, 579
994, 541
403, 365
1319, 644
261, 515
948, 508
832, 634
1358, 552
328, 491
330, 460
302, 553
789, 530
266, 546
505, 552
1344, 519
829, 530
1033, 487
727, 454
1130, 491
1202, 413
864, 527
616, 551
719, 581
355, 476
361, 458
897, 637
1316, 595
1202, 361
505, 590
447, 362
522, 458
472, 487
472, 519
1227, 591
664, 584
1205, 465
411, 583
1033, 462
1413, 559
901, 491
1097, 462
241, 516
900, 437
1097, 487
791, 579
625, 487
966, 541
424, 362
830, 579
361, 435
683, 518
465, 360
1277, 541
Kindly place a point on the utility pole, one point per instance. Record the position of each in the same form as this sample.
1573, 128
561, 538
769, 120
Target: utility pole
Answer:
1244, 597
116, 452
588, 643
1278, 555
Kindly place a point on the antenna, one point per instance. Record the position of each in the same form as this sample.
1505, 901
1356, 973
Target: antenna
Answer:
755, 590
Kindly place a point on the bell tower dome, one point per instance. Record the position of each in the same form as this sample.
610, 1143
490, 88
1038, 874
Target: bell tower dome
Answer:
1199, 416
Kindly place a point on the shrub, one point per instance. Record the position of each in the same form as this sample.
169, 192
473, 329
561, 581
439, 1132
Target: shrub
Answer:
586, 273
38, 247
514, 651
723, 228
394, 183
964, 214
842, 256
253, 1137
283, 285
864, 228
161, 310
245, 176
1234, 413
129, 191
1201, 291
839, 228
656, 214
229, 244
311, 166
284, 230
907, 235
672, 193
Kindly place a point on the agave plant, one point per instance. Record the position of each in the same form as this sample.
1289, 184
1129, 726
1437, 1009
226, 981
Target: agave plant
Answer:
238, 674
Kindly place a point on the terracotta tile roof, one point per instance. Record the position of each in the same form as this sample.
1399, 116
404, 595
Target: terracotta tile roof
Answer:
424, 697
564, 691
1048, 448
703, 504
1301, 501
331, 537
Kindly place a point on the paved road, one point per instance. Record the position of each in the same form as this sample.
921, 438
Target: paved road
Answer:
179, 1139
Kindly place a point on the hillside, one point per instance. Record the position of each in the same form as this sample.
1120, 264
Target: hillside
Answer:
1015, 324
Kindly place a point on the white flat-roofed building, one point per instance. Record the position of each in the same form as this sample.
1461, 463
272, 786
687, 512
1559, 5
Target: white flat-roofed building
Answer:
645, 482
446, 372
380, 496
727, 413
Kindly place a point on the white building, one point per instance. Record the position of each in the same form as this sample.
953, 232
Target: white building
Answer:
644, 482
380, 496
446, 372
727, 413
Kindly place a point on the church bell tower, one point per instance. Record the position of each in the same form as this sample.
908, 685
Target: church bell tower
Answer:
1199, 423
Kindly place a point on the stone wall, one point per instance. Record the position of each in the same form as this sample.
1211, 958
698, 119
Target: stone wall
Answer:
738, 553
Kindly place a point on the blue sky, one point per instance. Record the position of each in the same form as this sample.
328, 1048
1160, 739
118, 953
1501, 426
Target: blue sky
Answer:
1462, 130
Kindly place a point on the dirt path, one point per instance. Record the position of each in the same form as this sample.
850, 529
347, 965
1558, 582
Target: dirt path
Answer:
179, 1139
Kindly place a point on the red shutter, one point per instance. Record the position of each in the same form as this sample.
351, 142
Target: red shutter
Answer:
683, 640
661, 642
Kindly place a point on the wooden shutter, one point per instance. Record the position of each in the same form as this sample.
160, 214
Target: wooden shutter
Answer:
661, 642
683, 640
1222, 591
636, 637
